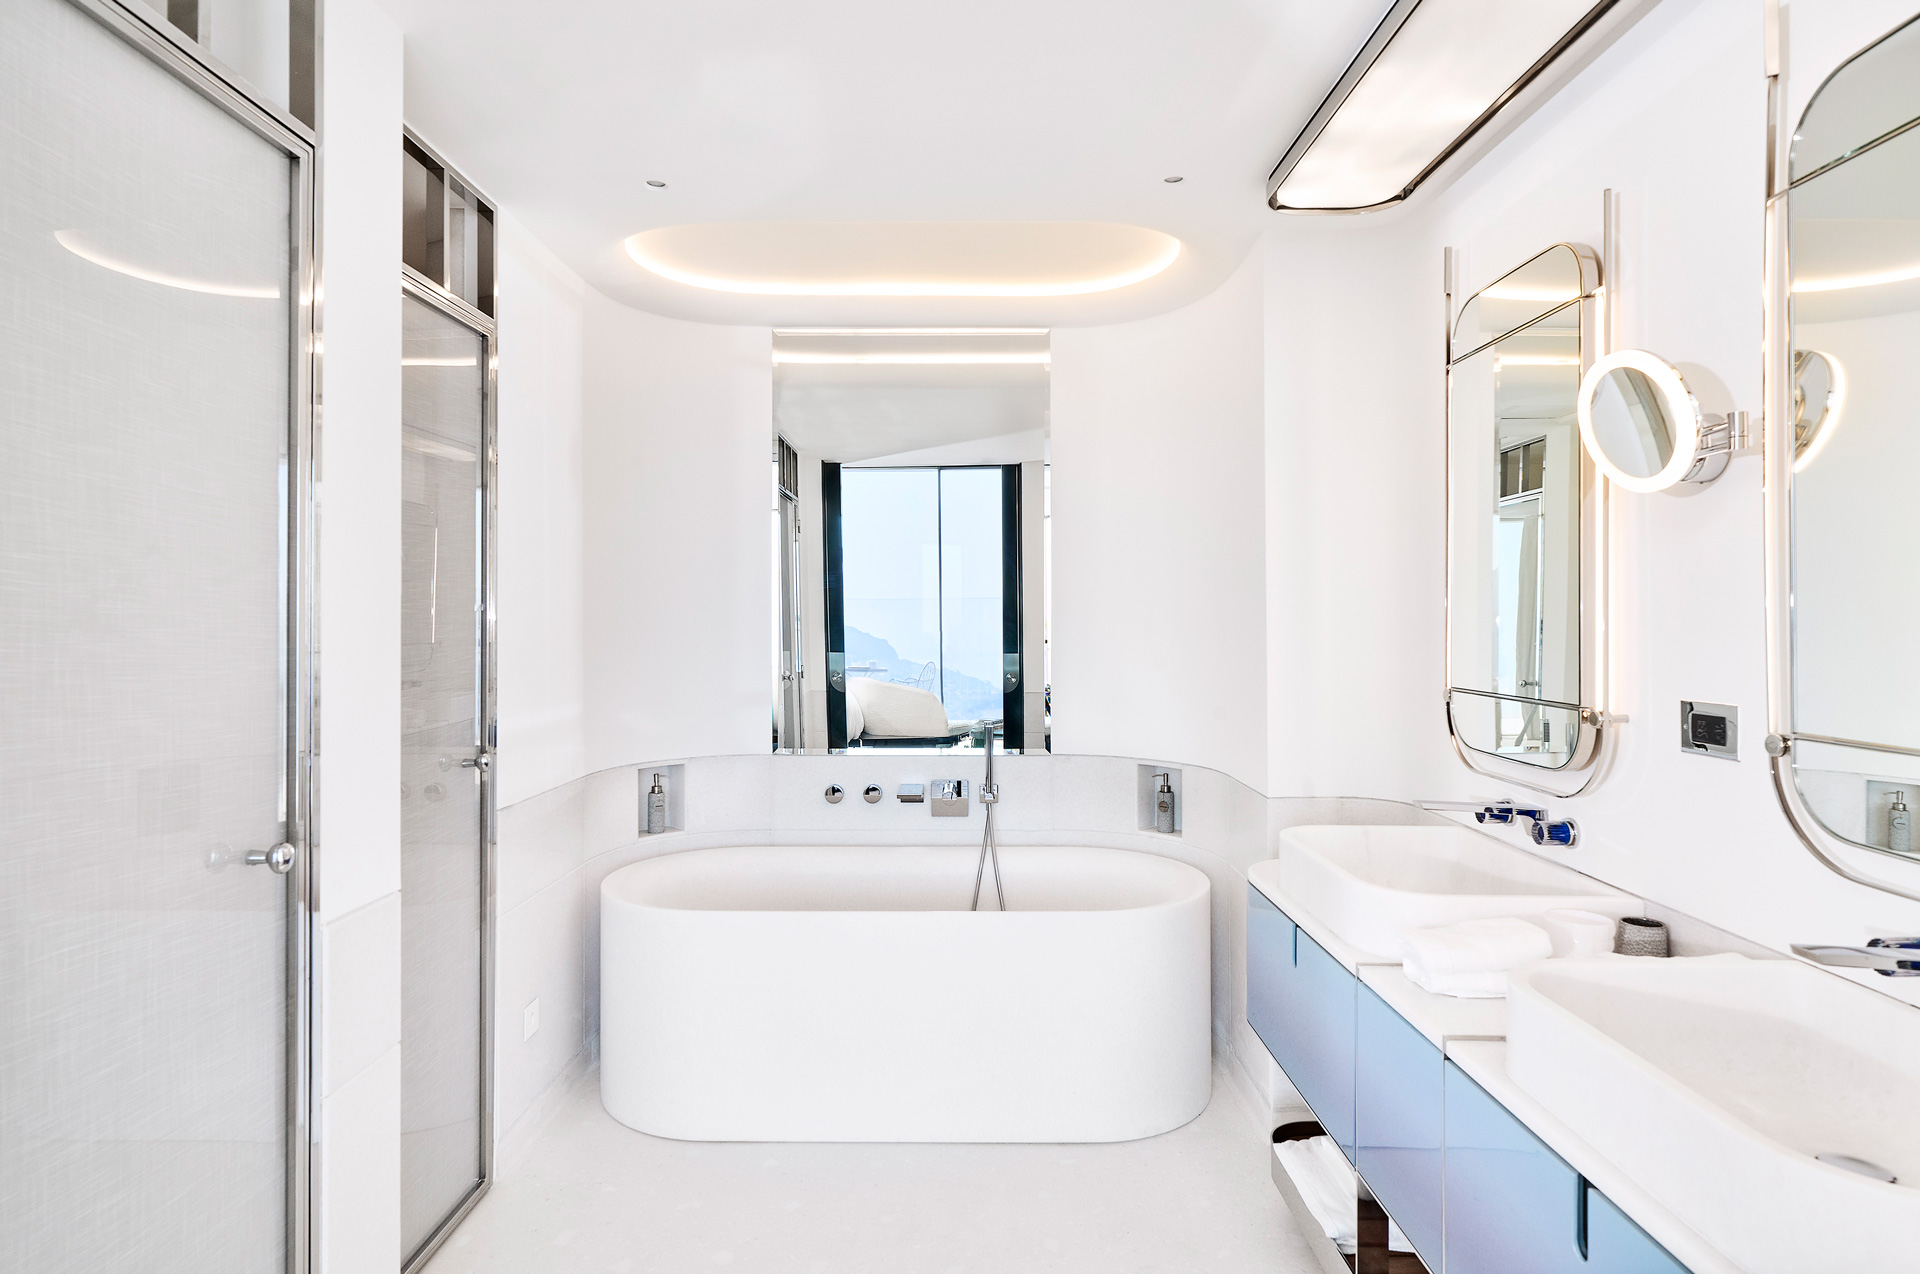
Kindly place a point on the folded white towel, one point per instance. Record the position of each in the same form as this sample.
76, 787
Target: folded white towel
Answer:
1326, 1184
1471, 959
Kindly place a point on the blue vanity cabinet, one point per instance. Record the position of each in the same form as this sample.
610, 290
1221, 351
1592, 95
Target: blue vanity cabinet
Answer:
1399, 1120
1512, 1205
1300, 1001
1615, 1245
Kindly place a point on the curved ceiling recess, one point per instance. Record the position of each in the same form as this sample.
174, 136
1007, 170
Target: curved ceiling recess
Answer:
906, 258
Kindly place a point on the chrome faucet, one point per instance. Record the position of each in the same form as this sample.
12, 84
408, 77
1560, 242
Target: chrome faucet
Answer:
1877, 955
989, 797
1543, 828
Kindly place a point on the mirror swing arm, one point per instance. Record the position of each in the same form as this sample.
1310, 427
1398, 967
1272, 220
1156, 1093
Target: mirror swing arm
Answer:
1781, 446
1591, 756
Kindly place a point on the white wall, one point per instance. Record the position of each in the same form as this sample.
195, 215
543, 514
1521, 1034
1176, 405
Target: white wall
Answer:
1159, 610
679, 574
541, 624
358, 856
1673, 117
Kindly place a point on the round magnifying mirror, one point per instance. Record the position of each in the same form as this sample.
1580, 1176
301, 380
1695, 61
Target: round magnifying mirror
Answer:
1640, 423
1819, 389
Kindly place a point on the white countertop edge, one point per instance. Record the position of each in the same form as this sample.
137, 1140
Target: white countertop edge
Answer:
1485, 1062
1438, 1017
1336, 946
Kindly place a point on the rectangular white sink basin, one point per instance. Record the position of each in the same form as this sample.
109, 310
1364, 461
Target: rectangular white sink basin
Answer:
1714, 1082
1369, 884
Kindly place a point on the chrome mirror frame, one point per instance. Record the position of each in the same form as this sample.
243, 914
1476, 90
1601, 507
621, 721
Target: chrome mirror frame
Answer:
1780, 441
1591, 752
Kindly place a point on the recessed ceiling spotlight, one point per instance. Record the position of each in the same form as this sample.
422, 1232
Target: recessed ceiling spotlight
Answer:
1171, 180
657, 185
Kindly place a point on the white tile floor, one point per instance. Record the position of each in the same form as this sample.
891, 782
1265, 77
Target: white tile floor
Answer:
593, 1195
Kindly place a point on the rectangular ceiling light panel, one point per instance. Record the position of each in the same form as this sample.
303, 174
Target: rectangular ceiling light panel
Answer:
1434, 73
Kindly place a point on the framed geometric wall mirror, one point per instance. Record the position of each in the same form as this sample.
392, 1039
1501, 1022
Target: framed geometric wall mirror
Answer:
1843, 461
1525, 526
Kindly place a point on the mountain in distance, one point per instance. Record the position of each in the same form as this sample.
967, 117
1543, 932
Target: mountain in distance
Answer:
968, 698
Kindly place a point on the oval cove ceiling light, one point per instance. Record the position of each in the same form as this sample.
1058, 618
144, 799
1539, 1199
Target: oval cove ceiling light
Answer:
906, 258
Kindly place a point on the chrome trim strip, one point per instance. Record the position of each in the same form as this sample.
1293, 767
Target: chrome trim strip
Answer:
424, 290
1520, 699
1891, 749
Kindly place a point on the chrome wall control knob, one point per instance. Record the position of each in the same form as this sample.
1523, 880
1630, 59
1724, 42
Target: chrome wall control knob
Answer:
833, 793
280, 858
872, 794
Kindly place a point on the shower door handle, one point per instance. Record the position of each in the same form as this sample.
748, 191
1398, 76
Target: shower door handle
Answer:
280, 858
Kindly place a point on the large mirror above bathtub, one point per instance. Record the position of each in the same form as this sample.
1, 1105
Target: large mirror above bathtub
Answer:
1523, 525
1843, 450
909, 526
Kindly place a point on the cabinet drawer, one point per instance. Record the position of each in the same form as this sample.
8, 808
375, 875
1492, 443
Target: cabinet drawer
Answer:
1398, 1120
1615, 1245
1512, 1205
1270, 973
1300, 1001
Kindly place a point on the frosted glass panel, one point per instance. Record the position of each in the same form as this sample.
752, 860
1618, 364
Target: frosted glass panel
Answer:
442, 377
144, 347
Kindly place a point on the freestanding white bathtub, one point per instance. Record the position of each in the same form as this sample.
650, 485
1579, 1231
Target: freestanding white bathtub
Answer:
807, 993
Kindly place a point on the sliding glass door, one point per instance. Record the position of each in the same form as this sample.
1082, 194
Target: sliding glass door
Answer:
153, 669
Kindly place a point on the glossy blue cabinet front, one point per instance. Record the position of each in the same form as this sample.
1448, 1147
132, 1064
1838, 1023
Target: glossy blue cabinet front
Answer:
1300, 1001
1398, 1120
1513, 1205
1324, 1005
1270, 975
1615, 1245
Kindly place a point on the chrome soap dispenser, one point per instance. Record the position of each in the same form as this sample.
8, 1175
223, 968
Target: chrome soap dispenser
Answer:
1163, 805
656, 807
1900, 825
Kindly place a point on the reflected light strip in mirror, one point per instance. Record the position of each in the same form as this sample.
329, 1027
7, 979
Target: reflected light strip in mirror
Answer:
1549, 296
1536, 360
72, 242
439, 362
1829, 422
1845, 282
791, 356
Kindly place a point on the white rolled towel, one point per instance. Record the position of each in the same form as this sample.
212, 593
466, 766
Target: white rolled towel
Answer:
1326, 1184
1470, 959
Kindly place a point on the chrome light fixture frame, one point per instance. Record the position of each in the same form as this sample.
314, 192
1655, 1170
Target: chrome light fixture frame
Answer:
1591, 756
1584, 41
1779, 440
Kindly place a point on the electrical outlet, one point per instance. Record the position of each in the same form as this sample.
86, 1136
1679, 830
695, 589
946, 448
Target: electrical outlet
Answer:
529, 1020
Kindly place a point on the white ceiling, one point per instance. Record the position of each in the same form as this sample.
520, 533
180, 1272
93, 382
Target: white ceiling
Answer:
876, 110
